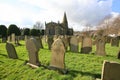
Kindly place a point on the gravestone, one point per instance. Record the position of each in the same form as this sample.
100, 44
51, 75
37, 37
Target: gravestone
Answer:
50, 41
39, 41
115, 41
100, 46
55, 37
58, 55
26, 37
33, 49
79, 38
74, 44
110, 71
9, 39
118, 56
86, 45
65, 41
13, 37
4, 40
11, 51
108, 39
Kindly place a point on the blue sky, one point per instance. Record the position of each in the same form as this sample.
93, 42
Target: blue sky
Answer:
116, 6
24, 13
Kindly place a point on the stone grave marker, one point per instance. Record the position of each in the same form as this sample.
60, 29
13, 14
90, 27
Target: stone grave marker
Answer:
86, 45
9, 38
74, 44
58, 55
39, 41
33, 49
100, 46
110, 71
55, 37
118, 56
65, 41
115, 41
108, 39
4, 40
50, 41
13, 37
11, 51
26, 37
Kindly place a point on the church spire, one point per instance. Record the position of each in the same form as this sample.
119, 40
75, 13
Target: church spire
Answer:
65, 22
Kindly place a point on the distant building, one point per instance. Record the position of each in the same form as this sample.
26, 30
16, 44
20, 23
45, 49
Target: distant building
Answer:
53, 28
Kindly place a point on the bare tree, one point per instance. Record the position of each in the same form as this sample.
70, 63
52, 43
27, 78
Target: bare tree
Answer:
116, 24
38, 25
106, 25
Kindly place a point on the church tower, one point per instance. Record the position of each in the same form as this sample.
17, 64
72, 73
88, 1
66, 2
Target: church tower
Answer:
65, 22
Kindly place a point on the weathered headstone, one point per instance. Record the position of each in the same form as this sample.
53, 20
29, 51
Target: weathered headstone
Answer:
118, 56
26, 37
55, 37
86, 45
9, 38
115, 41
11, 51
100, 46
110, 71
4, 40
108, 39
58, 55
50, 41
33, 48
65, 41
74, 44
39, 41
13, 37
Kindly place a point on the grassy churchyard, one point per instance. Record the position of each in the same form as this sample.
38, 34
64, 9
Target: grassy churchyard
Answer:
80, 66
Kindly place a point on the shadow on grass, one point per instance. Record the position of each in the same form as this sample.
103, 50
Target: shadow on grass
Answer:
4, 55
75, 72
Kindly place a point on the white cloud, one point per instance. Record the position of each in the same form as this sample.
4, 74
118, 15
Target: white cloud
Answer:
79, 12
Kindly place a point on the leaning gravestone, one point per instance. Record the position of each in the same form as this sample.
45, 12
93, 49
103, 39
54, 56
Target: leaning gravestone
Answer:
110, 71
86, 45
58, 55
74, 44
11, 51
115, 41
33, 48
100, 46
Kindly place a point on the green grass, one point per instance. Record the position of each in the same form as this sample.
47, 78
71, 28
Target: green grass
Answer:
80, 66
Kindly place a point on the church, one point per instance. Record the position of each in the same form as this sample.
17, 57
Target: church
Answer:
53, 28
